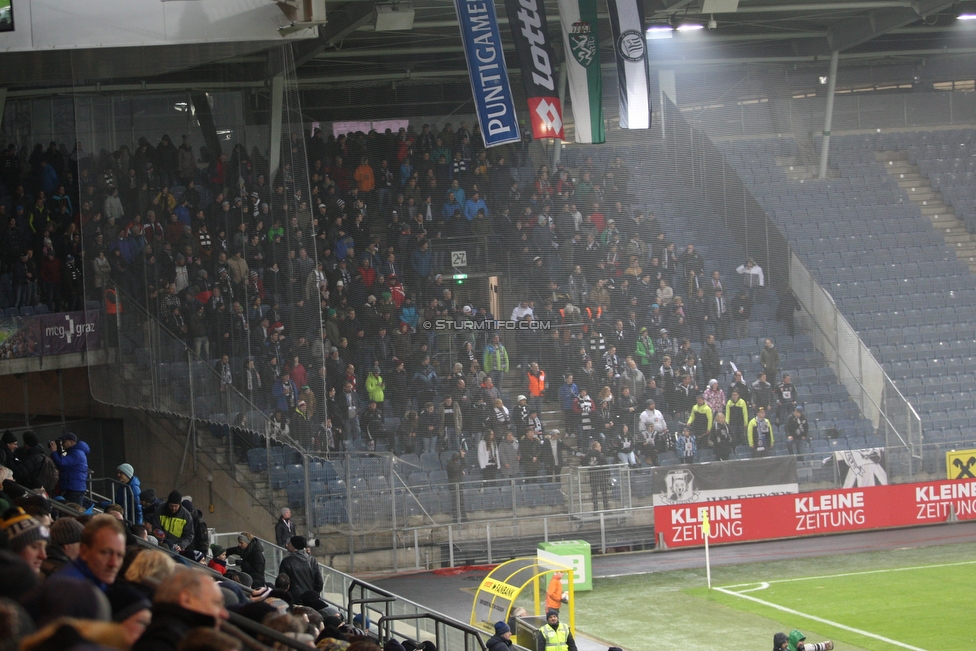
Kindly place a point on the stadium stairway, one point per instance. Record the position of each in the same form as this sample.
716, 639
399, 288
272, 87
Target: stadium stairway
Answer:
931, 204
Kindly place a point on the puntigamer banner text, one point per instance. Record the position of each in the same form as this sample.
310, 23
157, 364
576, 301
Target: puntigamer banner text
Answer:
486, 67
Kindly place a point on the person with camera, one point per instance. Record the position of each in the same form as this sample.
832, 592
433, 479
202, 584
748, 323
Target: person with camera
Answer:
301, 568
71, 457
796, 641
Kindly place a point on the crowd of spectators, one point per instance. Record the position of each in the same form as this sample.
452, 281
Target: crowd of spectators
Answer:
145, 576
308, 291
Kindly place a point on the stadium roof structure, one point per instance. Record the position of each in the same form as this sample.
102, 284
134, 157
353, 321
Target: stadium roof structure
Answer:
351, 55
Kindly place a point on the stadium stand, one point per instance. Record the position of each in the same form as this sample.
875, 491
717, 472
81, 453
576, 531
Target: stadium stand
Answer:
876, 250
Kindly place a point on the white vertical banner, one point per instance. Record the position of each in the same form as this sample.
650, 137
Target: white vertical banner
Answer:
630, 51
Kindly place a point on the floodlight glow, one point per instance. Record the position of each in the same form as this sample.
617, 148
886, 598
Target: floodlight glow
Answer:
659, 31
967, 16
690, 27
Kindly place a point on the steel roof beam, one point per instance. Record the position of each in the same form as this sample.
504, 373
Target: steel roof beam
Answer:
852, 32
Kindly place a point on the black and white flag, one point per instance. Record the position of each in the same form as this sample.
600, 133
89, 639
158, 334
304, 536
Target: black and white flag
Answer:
630, 50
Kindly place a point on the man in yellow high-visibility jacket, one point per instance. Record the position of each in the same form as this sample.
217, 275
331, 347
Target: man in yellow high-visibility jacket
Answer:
555, 636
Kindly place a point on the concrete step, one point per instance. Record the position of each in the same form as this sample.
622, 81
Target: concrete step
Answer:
898, 168
910, 184
919, 194
954, 239
891, 155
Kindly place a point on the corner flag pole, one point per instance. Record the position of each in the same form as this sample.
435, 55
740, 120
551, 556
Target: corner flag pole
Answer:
706, 529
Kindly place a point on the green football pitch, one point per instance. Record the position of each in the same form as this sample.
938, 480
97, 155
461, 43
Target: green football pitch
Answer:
920, 599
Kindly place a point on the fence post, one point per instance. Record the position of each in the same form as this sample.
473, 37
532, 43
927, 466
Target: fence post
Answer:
416, 549
450, 544
488, 541
603, 533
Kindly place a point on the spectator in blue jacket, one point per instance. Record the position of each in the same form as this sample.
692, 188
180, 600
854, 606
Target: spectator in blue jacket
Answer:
473, 205
71, 458
130, 501
285, 394
49, 178
421, 262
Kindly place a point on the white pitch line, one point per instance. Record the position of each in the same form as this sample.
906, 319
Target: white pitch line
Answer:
820, 619
843, 574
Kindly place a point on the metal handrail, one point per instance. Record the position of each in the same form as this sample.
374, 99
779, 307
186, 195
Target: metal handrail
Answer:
128, 493
385, 627
130, 302
254, 628
840, 359
385, 598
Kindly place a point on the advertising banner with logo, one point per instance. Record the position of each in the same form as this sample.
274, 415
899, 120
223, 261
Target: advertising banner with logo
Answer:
49, 334
708, 482
70, 332
630, 50
530, 31
581, 40
961, 464
817, 513
861, 467
486, 68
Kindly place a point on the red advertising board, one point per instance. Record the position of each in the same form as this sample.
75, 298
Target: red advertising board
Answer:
816, 513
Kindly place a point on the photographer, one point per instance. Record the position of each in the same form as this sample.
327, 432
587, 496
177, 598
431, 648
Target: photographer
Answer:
796, 642
71, 457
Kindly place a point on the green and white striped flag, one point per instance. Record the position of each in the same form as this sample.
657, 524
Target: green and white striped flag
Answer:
582, 44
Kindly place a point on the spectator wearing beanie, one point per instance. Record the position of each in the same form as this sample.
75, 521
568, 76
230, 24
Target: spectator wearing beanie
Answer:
251, 551
502, 639
129, 501
100, 553
219, 561
301, 568
173, 523
64, 546
26, 537
150, 504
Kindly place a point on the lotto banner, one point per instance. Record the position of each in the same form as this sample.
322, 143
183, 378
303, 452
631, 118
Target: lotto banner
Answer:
817, 513
530, 31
